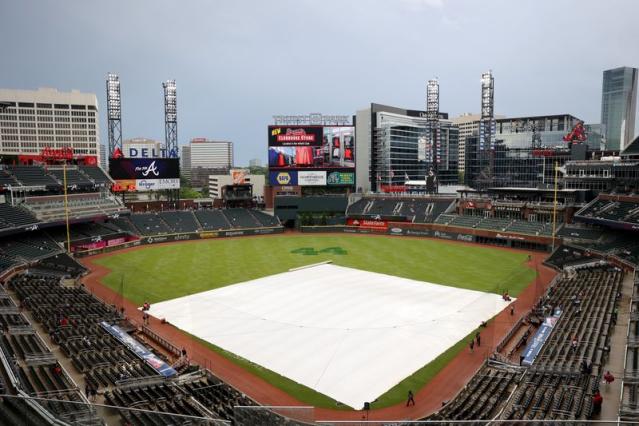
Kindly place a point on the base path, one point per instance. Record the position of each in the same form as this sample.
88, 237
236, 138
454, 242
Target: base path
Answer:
443, 387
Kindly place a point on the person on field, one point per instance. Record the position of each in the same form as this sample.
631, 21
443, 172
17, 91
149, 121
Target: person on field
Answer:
478, 339
411, 398
472, 346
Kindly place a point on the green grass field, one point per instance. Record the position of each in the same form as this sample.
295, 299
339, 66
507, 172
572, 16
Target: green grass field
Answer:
164, 272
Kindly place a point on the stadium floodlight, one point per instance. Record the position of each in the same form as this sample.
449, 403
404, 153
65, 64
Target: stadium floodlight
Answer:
114, 112
170, 115
432, 115
487, 120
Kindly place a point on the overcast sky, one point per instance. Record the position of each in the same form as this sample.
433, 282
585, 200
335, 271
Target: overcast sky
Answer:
237, 63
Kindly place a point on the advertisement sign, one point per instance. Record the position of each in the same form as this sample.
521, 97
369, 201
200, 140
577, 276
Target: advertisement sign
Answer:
295, 135
541, 336
283, 178
366, 223
152, 152
140, 350
156, 184
238, 176
340, 178
311, 147
311, 178
123, 185
144, 168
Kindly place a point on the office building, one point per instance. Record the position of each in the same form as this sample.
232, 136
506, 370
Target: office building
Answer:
468, 125
217, 182
544, 131
32, 121
392, 147
619, 106
142, 148
203, 157
104, 157
185, 162
507, 166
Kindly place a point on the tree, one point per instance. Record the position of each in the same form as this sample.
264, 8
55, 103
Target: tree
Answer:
186, 192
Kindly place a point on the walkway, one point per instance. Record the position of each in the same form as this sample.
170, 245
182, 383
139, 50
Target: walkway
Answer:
615, 363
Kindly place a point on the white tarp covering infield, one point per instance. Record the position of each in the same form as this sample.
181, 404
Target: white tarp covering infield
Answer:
346, 333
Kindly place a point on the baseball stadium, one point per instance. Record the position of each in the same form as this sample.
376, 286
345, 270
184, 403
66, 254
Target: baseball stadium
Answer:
410, 308
359, 279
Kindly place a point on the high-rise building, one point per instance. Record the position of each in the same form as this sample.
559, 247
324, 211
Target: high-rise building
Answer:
206, 157
255, 162
34, 120
185, 161
619, 106
142, 147
104, 157
392, 147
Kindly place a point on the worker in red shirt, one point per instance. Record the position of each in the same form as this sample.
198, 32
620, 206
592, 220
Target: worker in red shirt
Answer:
608, 378
597, 401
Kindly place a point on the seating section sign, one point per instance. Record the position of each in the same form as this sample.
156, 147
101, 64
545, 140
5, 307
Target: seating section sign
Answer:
149, 357
540, 338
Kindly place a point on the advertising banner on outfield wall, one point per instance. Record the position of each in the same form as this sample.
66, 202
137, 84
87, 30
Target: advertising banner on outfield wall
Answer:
396, 230
367, 223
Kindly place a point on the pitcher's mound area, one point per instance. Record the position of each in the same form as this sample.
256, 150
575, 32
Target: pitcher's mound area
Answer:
349, 334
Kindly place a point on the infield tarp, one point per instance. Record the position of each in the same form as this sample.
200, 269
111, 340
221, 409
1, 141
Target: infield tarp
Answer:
346, 333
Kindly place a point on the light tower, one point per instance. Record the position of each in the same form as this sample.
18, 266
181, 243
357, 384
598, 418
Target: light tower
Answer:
487, 120
170, 117
432, 115
486, 154
114, 112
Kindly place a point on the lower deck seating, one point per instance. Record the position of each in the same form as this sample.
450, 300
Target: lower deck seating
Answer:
149, 224
12, 217
212, 220
180, 221
555, 387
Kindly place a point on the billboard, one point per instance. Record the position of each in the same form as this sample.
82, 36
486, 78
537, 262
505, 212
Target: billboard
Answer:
311, 178
144, 174
143, 185
283, 178
238, 176
340, 178
144, 168
311, 147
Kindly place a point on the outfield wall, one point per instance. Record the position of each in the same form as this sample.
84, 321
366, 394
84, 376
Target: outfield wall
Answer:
167, 238
478, 236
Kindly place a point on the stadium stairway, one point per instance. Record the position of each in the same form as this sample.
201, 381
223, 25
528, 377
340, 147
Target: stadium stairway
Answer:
615, 359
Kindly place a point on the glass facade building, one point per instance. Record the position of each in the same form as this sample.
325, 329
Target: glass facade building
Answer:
619, 106
402, 150
516, 167
544, 131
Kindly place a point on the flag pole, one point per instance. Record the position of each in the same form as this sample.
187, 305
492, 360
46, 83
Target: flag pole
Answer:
66, 207
554, 209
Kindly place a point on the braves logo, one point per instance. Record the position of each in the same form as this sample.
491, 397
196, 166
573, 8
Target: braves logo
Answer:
151, 169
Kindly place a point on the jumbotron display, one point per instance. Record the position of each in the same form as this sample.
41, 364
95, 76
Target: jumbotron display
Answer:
311, 155
144, 174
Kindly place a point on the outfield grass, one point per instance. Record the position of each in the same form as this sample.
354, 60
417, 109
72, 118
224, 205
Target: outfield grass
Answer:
164, 272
